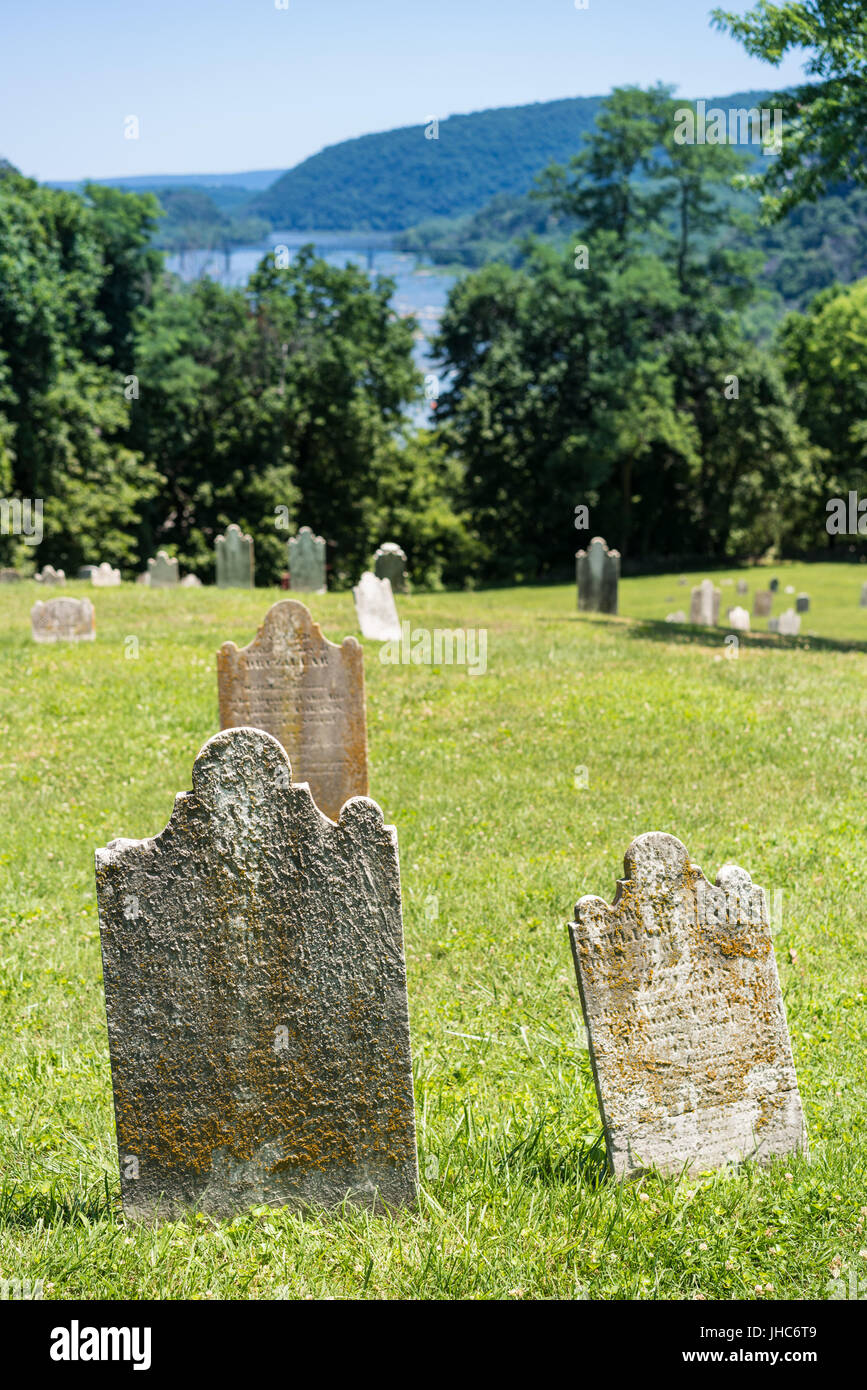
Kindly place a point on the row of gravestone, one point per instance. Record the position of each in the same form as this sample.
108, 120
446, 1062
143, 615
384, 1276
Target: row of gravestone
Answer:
73, 620
257, 1006
307, 567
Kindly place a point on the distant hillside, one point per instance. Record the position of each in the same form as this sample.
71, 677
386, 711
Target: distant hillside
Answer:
392, 180
252, 181
389, 181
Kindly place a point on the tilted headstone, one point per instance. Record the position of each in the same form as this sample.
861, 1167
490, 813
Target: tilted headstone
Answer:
597, 572
762, 602
789, 624
49, 575
739, 619
104, 577
678, 617
235, 564
802, 603
774, 585
686, 1024
163, 571
704, 604
743, 587
376, 609
389, 562
306, 691
255, 988
307, 562
63, 620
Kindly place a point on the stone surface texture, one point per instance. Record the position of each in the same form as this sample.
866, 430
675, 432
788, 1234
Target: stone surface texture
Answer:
306, 691
376, 609
686, 1023
597, 572
63, 620
256, 997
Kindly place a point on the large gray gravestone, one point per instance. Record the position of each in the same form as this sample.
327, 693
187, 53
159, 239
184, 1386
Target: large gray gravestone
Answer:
234, 555
375, 608
789, 623
739, 619
688, 1039
255, 989
389, 562
163, 572
307, 562
306, 691
762, 602
63, 620
597, 572
704, 604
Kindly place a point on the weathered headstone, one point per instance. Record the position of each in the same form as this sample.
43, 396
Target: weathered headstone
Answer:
597, 571
739, 619
704, 604
191, 581
743, 587
678, 617
104, 576
256, 996
762, 602
864, 595
802, 603
63, 620
376, 609
306, 691
389, 562
235, 564
307, 562
773, 624
686, 1024
774, 585
49, 575
84, 571
163, 571
10, 576
789, 624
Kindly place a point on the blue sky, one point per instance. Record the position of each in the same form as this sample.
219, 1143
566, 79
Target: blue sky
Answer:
226, 85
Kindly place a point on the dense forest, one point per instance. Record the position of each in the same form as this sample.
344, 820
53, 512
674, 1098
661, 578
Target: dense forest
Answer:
638, 366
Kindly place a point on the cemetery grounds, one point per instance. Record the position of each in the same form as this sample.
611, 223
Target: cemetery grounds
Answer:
514, 793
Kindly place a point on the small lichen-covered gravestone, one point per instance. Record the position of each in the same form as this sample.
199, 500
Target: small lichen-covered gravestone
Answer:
762, 602
163, 571
104, 576
597, 573
739, 619
743, 587
704, 604
789, 623
687, 1029
49, 575
63, 620
255, 989
802, 603
376, 609
389, 562
306, 691
307, 562
234, 556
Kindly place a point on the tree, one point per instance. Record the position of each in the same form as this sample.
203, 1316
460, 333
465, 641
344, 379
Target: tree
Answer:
824, 122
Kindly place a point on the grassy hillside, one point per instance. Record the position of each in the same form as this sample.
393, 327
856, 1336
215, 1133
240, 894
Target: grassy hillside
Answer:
759, 759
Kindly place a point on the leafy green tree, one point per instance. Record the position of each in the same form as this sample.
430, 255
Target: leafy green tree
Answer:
824, 121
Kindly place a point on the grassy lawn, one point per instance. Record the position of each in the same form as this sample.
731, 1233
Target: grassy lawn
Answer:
760, 760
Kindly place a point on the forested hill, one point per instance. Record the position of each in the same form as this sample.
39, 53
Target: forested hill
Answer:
389, 181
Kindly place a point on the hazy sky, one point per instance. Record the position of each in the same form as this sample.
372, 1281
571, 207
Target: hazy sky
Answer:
226, 85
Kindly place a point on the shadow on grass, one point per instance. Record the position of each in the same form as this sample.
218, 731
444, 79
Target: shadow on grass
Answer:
688, 634
24, 1209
